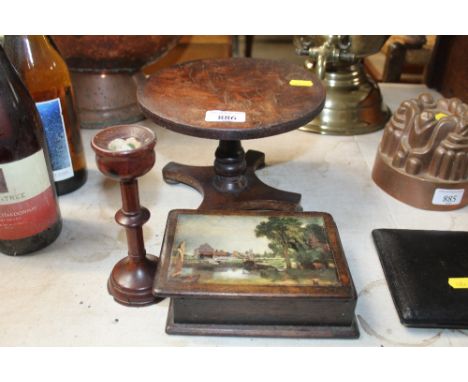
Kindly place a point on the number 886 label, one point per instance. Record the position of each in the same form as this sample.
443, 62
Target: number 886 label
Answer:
224, 116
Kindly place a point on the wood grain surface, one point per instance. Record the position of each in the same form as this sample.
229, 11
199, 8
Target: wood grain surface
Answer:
179, 97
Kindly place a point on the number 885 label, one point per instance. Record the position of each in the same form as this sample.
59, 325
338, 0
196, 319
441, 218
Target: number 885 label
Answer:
447, 197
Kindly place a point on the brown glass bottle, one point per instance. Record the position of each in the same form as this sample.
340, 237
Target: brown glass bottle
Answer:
45, 74
29, 214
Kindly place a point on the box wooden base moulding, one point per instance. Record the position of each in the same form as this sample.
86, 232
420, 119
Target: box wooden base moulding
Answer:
256, 273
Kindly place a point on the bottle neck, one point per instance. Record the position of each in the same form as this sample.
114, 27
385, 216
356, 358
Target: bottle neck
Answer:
8, 74
38, 43
29, 52
20, 126
5, 63
39, 64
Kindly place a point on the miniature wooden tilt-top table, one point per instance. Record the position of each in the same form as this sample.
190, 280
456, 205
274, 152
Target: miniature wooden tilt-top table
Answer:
231, 100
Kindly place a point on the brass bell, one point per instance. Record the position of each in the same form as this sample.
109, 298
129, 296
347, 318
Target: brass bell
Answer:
354, 103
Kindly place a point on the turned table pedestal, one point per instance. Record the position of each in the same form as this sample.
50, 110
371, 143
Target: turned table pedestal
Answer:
231, 100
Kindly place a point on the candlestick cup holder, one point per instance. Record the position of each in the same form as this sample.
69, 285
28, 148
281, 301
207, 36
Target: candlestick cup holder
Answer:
131, 279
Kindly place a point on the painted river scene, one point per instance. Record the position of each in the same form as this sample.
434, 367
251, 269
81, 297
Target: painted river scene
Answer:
252, 250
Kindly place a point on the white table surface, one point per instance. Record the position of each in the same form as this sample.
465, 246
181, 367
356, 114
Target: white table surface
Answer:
58, 295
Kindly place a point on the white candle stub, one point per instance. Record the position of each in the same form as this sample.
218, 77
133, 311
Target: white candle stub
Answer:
120, 144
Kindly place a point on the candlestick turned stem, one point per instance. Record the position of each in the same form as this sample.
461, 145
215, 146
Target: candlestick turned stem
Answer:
131, 280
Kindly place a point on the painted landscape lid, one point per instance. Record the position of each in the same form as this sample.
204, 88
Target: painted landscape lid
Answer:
250, 253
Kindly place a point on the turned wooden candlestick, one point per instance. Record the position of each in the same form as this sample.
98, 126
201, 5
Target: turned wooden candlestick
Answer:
131, 280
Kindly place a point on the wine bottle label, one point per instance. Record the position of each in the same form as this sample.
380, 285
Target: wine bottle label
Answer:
27, 202
56, 137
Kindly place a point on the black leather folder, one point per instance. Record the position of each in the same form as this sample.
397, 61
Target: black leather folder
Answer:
418, 266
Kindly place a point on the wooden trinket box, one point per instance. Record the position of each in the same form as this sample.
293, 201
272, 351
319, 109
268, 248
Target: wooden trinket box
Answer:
251, 273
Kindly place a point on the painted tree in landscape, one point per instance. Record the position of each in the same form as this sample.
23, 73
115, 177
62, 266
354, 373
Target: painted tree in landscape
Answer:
315, 231
283, 232
315, 247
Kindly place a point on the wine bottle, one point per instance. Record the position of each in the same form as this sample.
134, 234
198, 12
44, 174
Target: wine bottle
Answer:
46, 76
29, 214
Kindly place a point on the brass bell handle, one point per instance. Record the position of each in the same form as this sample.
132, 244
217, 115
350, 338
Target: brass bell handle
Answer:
320, 65
334, 49
319, 57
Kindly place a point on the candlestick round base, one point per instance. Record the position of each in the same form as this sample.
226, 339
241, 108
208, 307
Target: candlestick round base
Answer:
131, 281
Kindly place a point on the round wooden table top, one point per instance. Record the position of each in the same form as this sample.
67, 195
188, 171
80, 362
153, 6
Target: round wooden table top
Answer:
232, 99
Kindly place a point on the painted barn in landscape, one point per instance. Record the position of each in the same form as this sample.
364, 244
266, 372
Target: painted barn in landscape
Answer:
206, 251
